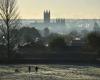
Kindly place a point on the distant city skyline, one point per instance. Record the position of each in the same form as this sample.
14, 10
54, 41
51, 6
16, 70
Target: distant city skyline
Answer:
71, 9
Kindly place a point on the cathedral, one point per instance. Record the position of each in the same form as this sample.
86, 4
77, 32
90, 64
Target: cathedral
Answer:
48, 22
47, 18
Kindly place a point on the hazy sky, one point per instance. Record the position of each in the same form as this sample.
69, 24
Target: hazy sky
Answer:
59, 8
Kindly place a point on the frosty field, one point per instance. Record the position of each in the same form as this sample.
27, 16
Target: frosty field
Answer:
50, 72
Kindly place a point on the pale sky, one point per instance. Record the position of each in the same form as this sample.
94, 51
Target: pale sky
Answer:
33, 9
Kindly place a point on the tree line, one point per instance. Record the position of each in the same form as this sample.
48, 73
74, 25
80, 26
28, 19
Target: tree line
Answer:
25, 42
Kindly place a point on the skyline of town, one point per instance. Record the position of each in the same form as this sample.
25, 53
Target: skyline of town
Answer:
84, 9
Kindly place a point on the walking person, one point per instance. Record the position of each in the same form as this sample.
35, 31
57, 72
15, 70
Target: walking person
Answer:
36, 69
29, 69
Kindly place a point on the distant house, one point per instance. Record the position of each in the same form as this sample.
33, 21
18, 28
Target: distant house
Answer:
76, 46
77, 42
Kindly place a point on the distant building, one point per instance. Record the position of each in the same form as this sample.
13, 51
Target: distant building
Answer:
47, 21
96, 27
60, 21
78, 42
46, 16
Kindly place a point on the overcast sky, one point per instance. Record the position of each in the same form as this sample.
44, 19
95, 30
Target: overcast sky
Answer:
59, 8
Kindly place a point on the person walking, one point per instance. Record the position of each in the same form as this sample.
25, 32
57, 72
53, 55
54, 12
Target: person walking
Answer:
29, 69
36, 69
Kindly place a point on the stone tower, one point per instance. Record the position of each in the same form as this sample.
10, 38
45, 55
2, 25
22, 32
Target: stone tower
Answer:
46, 16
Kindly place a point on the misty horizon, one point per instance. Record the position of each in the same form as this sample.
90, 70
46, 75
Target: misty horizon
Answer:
84, 9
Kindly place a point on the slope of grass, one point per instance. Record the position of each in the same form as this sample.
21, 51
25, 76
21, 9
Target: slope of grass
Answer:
50, 72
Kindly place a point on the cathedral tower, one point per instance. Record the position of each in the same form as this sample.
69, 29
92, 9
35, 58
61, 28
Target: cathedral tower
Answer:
46, 16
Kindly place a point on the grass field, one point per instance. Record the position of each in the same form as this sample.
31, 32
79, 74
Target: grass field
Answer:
50, 72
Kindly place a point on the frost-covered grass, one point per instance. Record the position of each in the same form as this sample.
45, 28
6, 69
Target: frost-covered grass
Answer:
50, 72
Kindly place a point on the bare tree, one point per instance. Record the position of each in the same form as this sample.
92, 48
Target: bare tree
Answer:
9, 21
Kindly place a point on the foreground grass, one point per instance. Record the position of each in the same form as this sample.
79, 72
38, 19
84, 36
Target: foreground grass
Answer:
50, 72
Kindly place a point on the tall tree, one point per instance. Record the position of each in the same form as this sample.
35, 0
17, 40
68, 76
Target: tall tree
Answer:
58, 44
9, 21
